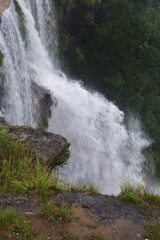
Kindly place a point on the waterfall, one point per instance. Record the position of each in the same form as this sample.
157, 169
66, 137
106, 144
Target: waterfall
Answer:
104, 151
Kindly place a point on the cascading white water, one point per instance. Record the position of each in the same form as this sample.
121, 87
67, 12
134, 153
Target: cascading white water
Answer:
104, 151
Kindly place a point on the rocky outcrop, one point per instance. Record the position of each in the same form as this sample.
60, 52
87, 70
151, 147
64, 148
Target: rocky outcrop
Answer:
42, 101
4, 4
42, 98
50, 148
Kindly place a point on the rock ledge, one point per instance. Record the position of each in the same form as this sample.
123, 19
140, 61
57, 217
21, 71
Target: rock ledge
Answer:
49, 148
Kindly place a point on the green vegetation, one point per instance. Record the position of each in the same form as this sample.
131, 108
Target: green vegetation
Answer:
22, 227
7, 217
68, 235
20, 172
139, 196
113, 45
1, 58
95, 237
54, 212
152, 230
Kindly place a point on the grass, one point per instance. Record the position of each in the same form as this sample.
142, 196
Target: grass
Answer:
7, 217
152, 230
139, 196
54, 212
97, 236
92, 225
68, 235
20, 171
22, 227
42, 237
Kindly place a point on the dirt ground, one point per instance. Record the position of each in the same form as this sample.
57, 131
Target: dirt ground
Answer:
94, 216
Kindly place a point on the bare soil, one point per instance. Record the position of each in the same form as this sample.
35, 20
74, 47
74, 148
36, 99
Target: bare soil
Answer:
93, 215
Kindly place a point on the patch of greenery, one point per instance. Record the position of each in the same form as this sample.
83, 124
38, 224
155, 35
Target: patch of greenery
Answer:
54, 212
7, 217
97, 236
92, 225
22, 227
21, 22
42, 123
152, 230
63, 159
138, 195
1, 58
20, 172
68, 235
42, 237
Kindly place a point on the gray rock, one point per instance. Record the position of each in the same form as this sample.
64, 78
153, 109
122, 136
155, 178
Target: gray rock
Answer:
49, 148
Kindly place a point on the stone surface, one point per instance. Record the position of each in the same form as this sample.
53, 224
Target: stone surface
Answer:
42, 99
4, 4
48, 147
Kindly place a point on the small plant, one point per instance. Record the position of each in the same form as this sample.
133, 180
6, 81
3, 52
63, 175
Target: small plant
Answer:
68, 235
152, 230
92, 189
138, 195
20, 172
7, 217
97, 236
92, 225
22, 227
42, 237
54, 212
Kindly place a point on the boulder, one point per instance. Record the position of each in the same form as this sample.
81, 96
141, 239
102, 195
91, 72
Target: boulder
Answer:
49, 148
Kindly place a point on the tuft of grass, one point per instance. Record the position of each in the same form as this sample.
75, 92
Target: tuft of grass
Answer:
138, 195
92, 189
152, 230
54, 212
68, 235
92, 225
22, 227
20, 172
97, 236
42, 237
7, 217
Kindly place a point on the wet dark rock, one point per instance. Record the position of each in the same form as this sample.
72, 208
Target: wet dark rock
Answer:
42, 98
50, 148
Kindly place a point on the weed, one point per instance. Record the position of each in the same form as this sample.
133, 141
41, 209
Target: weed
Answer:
95, 237
18, 172
76, 216
22, 227
42, 237
138, 195
7, 217
152, 230
68, 235
92, 189
54, 212
92, 225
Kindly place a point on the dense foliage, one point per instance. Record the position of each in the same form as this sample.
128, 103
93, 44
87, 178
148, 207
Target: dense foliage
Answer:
114, 46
